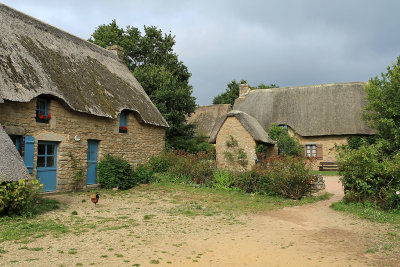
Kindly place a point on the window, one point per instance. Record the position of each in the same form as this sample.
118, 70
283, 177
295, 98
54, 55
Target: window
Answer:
42, 110
19, 143
122, 122
46, 155
311, 151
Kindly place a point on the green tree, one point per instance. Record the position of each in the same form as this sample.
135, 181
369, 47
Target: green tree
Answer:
383, 107
165, 79
232, 92
287, 145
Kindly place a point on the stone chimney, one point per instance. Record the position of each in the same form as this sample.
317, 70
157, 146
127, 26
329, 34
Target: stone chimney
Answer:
118, 50
244, 89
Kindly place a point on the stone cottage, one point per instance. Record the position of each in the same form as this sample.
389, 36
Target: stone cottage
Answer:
64, 100
319, 116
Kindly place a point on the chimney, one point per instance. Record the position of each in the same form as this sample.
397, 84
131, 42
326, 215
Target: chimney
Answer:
118, 50
244, 89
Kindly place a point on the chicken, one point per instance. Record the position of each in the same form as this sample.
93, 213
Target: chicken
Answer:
95, 198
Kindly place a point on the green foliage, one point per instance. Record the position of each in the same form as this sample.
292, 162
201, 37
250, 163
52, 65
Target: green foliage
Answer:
235, 155
369, 174
20, 197
382, 111
223, 179
232, 92
164, 78
183, 167
143, 173
290, 176
116, 172
230, 95
368, 211
285, 176
265, 86
287, 145
355, 142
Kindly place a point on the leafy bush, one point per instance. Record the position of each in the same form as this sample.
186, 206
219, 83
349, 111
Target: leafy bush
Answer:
223, 179
287, 176
368, 174
355, 142
116, 172
253, 182
143, 173
19, 198
287, 145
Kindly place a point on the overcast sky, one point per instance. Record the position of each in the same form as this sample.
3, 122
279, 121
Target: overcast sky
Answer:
286, 42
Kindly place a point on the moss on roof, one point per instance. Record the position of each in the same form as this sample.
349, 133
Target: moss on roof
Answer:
36, 58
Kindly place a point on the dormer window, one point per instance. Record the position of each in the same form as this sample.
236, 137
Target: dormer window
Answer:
122, 122
42, 110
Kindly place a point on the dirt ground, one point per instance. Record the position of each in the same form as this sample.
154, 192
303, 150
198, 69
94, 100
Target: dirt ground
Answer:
135, 230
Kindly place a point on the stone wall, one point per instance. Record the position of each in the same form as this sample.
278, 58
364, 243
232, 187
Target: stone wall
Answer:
328, 145
232, 127
137, 146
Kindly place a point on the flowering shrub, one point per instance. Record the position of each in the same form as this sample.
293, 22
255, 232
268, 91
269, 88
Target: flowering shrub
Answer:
18, 198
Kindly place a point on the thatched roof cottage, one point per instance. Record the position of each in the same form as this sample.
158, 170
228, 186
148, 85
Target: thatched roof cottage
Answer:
64, 99
319, 116
12, 166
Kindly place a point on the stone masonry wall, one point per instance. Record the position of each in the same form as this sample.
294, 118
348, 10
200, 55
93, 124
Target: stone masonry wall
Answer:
137, 146
328, 145
232, 127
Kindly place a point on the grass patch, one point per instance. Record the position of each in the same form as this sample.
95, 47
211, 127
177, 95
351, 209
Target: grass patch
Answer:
205, 201
14, 228
367, 212
325, 173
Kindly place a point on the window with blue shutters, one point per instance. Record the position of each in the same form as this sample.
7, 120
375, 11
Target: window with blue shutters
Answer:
122, 122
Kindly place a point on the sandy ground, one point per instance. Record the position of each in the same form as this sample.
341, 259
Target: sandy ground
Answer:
309, 235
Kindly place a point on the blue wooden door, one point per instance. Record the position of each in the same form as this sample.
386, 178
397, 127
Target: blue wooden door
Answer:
47, 165
91, 176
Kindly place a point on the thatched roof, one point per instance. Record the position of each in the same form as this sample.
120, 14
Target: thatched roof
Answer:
205, 117
316, 110
12, 167
249, 123
36, 58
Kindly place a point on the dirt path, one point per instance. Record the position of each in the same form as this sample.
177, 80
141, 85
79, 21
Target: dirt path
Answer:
116, 233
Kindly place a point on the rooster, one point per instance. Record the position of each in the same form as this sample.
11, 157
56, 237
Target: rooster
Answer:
95, 198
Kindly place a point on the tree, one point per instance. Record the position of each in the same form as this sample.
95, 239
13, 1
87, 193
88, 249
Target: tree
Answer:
382, 111
155, 65
287, 145
232, 92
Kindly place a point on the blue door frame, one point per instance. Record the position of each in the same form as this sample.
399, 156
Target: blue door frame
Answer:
46, 165
91, 175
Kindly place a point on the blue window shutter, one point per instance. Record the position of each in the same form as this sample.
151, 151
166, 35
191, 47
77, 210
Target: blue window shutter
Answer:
29, 151
122, 119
